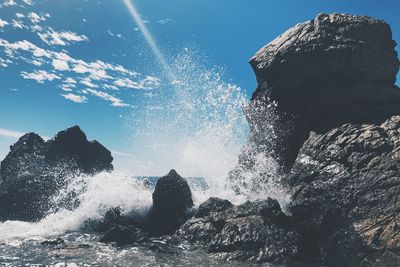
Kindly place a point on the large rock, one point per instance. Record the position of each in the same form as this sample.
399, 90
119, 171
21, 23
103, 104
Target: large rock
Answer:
172, 201
346, 188
34, 170
252, 232
325, 108
335, 69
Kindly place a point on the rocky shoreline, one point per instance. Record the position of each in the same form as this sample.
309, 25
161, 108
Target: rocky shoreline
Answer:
336, 137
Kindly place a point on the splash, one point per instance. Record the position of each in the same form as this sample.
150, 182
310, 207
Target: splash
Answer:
197, 126
95, 194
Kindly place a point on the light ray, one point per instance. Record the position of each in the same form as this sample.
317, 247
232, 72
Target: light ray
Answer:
149, 39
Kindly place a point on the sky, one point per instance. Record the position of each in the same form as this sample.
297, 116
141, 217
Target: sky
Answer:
87, 63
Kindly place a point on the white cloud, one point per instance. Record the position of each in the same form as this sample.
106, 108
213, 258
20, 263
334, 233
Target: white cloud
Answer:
116, 102
10, 133
17, 24
19, 15
164, 21
28, 2
75, 98
9, 3
96, 74
3, 23
123, 154
88, 83
15, 134
40, 76
60, 64
35, 18
125, 82
63, 38
70, 80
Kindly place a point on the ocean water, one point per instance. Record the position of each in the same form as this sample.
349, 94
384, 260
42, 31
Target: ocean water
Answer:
196, 126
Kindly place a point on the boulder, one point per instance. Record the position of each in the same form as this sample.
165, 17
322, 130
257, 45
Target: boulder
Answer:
34, 170
172, 203
252, 232
345, 193
320, 74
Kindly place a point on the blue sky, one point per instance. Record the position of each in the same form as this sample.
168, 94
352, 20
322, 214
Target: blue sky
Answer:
67, 62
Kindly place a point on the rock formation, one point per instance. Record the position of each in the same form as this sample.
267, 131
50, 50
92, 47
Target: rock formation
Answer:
327, 87
172, 199
346, 188
35, 169
254, 231
322, 73
172, 206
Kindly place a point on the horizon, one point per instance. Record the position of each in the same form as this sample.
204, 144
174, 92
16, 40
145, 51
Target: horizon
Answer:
88, 63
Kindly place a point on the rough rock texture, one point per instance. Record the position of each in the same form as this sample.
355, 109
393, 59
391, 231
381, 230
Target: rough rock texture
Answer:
325, 108
322, 73
124, 234
254, 231
34, 170
172, 201
346, 188
90, 157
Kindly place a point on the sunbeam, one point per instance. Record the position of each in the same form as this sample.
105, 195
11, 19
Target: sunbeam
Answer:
149, 39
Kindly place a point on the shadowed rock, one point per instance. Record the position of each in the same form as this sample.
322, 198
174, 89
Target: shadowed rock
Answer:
325, 108
172, 201
34, 170
335, 69
346, 187
254, 231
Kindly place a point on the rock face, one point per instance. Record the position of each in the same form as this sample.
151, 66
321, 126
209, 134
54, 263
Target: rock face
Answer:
172, 201
322, 73
346, 188
35, 169
326, 108
254, 231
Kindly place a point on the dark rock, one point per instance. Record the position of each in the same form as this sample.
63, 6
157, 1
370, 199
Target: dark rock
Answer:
58, 242
345, 186
34, 170
172, 201
323, 73
325, 109
90, 157
213, 204
124, 234
254, 231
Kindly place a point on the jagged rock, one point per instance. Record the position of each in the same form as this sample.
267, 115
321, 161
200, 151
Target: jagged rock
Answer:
34, 170
213, 204
335, 69
346, 187
90, 156
172, 201
254, 231
124, 234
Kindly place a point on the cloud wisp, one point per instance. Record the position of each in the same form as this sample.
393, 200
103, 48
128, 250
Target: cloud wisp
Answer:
49, 61
15, 134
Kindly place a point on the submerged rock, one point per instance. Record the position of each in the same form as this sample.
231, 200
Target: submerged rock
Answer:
254, 231
172, 201
34, 170
124, 234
